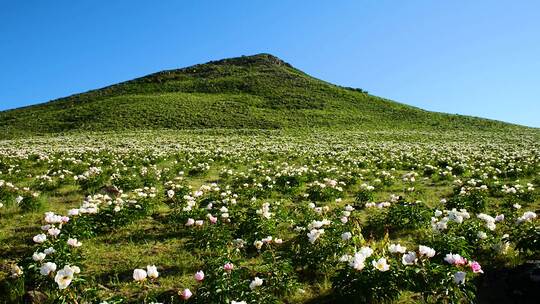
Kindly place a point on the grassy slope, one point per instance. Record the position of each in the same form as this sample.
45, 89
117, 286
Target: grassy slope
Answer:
258, 91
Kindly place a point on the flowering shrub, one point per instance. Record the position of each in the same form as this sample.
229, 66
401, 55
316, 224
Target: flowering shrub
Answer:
264, 218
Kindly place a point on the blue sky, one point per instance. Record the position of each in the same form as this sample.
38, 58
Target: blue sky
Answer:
478, 58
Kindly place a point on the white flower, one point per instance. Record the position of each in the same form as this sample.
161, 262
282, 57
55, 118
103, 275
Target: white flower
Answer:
358, 261
366, 251
139, 275
258, 244
380, 264
238, 302
74, 243
409, 258
455, 259
255, 283
38, 256
427, 251
49, 250
170, 193
190, 222
345, 236
64, 277
396, 248
40, 238
53, 231
314, 234
527, 216
47, 268
481, 235
459, 277
152, 271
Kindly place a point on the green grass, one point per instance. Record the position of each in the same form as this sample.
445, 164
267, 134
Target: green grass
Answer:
259, 92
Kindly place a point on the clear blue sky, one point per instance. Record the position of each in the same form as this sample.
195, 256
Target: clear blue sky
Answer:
479, 58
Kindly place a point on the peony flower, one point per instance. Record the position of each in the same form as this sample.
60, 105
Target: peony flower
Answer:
459, 277
152, 272
185, 294
345, 236
139, 275
314, 234
426, 251
64, 277
396, 248
358, 261
228, 267
49, 250
40, 238
475, 267
255, 283
53, 231
199, 276
47, 268
527, 216
481, 235
366, 251
74, 243
38, 256
380, 264
455, 259
409, 258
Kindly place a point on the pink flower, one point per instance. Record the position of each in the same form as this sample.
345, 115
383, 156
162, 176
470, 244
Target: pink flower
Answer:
199, 276
186, 294
476, 268
228, 267
460, 261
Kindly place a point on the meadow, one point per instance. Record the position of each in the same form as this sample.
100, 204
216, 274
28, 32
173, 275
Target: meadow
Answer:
254, 216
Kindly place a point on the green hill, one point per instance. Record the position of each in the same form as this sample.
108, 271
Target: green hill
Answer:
259, 91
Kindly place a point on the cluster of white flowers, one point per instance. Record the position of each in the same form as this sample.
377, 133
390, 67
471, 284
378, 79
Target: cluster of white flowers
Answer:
255, 283
140, 275
314, 234
265, 211
440, 222
526, 217
490, 221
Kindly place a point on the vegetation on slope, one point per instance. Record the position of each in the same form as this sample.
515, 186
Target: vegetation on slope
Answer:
260, 92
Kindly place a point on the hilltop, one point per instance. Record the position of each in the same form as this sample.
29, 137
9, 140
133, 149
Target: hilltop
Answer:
252, 92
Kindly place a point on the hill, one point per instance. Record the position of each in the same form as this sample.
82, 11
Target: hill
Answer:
259, 92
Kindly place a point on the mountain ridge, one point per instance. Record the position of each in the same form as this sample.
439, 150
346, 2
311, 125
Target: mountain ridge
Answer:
259, 91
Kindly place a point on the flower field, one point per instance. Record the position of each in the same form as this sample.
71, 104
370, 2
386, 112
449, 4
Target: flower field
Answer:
268, 217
